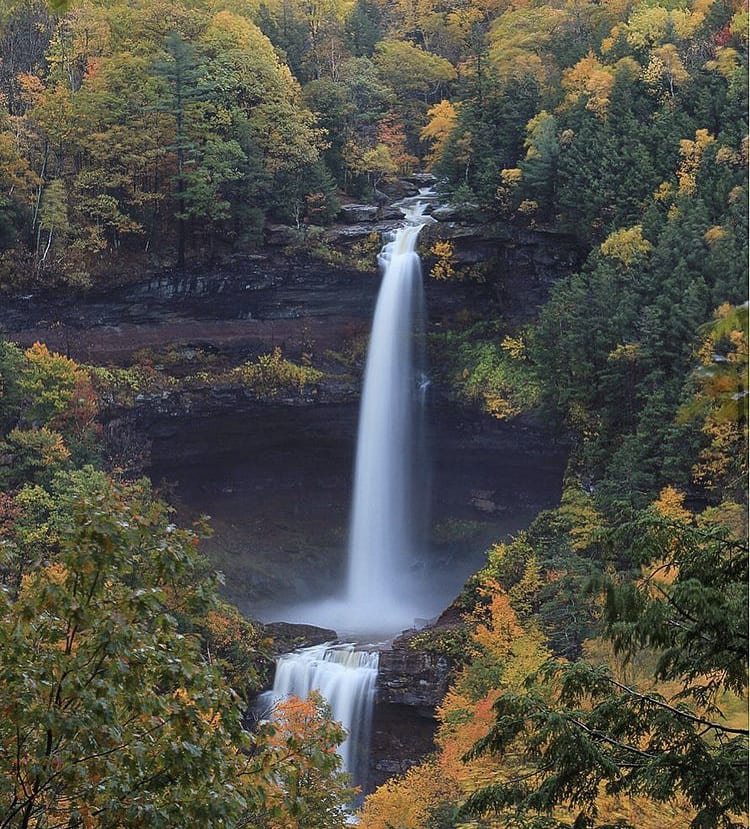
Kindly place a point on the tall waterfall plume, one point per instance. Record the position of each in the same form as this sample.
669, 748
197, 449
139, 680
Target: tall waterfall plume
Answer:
389, 500
384, 503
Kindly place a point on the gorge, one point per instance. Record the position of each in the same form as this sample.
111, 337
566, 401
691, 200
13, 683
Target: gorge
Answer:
388, 586
275, 476
253, 487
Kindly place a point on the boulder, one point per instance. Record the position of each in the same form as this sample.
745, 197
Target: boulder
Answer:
288, 636
355, 213
348, 234
412, 677
398, 189
454, 212
422, 179
281, 235
392, 213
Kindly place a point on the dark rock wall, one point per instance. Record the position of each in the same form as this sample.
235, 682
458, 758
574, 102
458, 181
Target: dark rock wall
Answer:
517, 267
413, 678
263, 301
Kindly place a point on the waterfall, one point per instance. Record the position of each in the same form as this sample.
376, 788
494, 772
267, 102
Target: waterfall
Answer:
388, 510
346, 679
382, 535
381, 597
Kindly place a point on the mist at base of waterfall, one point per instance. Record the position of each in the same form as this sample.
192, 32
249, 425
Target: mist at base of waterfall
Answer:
414, 600
375, 620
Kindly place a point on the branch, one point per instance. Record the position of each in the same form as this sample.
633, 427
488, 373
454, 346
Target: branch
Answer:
677, 712
611, 740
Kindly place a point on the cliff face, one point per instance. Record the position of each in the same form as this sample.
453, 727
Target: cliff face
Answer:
257, 303
273, 299
519, 266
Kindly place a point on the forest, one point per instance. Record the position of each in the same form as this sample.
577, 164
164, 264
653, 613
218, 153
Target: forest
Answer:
599, 672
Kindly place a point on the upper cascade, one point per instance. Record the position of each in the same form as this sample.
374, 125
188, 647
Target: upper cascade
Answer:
382, 596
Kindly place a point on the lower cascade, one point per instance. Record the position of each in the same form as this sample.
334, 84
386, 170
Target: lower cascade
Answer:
346, 679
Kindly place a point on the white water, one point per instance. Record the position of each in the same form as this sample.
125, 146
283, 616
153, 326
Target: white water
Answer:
380, 594
346, 679
381, 597
381, 545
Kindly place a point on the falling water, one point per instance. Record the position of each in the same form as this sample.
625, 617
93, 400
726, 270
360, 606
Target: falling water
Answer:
388, 504
346, 679
380, 596
382, 542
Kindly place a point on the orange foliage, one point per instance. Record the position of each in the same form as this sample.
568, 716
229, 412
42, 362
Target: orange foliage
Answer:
463, 722
391, 133
591, 79
505, 655
303, 785
495, 635
405, 802
671, 504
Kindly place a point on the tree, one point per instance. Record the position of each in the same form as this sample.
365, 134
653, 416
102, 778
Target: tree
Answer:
53, 217
307, 789
408, 801
539, 167
417, 78
184, 85
438, 129
363, 28
54, 389
518, 38
578, 729
720, 403
110, 716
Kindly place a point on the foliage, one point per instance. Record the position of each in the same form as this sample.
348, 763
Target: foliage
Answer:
485, 369
269, 376
122, 386
144, 130
449, 642
580, 729
306, 788
233, 643
720, 402
55, 390
140, 133
438, 129
273, 376
406, 802
502, 652
443, 268
49, 411
31, 455
110, 714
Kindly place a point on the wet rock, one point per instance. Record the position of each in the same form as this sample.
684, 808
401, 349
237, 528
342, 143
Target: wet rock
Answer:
401, 738
348, 234
391, 213
414, 678
454, 212
422, 179
399, 188
288, 636
356, 213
